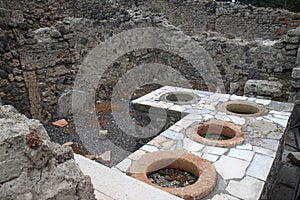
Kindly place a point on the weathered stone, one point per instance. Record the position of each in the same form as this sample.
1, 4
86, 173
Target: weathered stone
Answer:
34, 168
263, 88
294, 157
55, 34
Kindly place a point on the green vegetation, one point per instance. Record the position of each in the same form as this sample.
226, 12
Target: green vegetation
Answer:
292, 5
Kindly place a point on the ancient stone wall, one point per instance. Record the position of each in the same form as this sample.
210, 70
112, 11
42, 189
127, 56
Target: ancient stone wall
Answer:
231, 20
40, 54
34, 168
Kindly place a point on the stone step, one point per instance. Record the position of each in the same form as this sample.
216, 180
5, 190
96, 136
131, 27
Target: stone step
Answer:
113, 185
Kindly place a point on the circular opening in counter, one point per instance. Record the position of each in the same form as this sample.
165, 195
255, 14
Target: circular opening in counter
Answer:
180, 98
203, 174
216, 133
242, 108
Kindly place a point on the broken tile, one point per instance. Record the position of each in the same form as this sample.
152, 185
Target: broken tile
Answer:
245, 146
68, 144
210, 157
264, 151
266, 143
190, 145
156, 141
167, 145
241, 154
260, 167
224, 197
124, 165
137, 155
237, 120
106, 156
214, 150
176, 128
263, 101
231, 168
149, 148
248, 188
172, 135
60, 123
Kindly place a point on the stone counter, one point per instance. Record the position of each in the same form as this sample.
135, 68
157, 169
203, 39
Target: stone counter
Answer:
246, 170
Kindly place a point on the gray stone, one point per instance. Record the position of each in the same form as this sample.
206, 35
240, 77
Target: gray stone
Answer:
294, 157
263, 88
55, 34
34, 168
296, 73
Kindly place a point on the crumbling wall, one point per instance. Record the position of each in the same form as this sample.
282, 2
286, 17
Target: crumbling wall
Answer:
243, 21
34, 168
40, 53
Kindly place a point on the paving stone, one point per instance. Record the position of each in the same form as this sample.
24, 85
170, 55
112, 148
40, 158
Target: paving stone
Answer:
207, 116
235, 97
275, 135
241, 154
190, 145
264, 151
263, 101
136, 155
209, 107
172, 135
251, 99
222, 117
149, 148
224, 197
231, 168
214, 150
248, 188
281, 122
237, 120
185, 123
176, 128
245, 146
177, 108
260, 166
193, 117
167, 145
266, 143
210, 157
286, 114
157, 141
124, 165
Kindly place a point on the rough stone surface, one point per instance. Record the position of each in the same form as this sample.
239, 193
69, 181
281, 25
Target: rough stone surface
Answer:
34, 168
52, 39
263, 88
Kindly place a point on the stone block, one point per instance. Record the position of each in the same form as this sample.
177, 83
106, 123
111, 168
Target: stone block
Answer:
263, 88
296, 73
